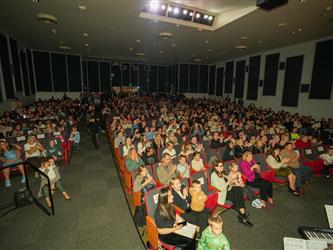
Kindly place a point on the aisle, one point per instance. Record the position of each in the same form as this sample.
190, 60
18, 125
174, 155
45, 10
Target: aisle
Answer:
97, 217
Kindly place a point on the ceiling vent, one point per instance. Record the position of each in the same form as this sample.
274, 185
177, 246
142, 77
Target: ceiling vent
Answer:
140, 54
165, 35
46, 18
241, 47
63, 47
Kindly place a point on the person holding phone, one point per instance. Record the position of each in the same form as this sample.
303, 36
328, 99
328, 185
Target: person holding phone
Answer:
168, 222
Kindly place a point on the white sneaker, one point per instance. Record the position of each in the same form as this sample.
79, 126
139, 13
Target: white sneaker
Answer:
256, 203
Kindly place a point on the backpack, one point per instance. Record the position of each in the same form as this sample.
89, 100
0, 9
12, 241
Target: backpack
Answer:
139, 217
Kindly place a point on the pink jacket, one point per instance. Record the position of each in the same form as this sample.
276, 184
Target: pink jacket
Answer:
246, 170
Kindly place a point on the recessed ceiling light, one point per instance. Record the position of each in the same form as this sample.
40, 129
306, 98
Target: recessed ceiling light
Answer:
130, 49
161, 52
206, 41
85, 34
64, 47
176, 11
259, 41
244, 37
54, 31
241, 47
300, 29
205, 16
282, 25
165, 35
210, 18
82, 7
185, 11
138, 40
197, 60
140, 54
35, 1
173, 45
191, 13
197, 15
169, 8
46, 18
293, 32
210, 50
163, 7
86, 44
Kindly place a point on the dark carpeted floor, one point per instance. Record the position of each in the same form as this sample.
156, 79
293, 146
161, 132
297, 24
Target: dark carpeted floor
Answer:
97, 217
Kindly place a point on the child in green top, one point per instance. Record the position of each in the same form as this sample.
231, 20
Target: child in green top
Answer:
212, 237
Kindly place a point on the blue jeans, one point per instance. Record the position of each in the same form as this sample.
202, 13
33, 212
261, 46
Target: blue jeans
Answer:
303, 173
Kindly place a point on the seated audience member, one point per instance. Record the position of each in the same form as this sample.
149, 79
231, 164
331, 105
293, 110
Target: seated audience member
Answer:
239, 148
197, 147
170, 150
149, 157
212, 237
158, 142
303, 142
258, 147
186, 150
127, 146
119, 140
143, 181
231, 187
166, 170
282, 169
142, 145
328, 162
9, 155
217, 141
75, 138
303, 173
53, 150
133, 160
181, 197
33, 151
251, 171
197, 162
51, 170
183, 168
167, 221
294, 135
229, 153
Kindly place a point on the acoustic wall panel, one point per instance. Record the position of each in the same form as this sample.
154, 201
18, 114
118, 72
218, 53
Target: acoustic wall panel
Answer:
42, 71
25, 74
135, 75
116, 75
253, 80
212, 72
104, 76
16, 64
31, 72
322, 73
143, 76
153, 78
6, 70
74, 73
271, 74
194, 78
125, 74
219, 81
240, 78
59, 72
229, 76
175, 77
93, 76
203, 77
162, 78
183, 78
292, 81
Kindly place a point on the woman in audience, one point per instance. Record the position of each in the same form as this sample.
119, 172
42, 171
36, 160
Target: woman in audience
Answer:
133, 160
149, 156
231, 187
143, 182
186, 150
158, 142
170, 150
142, 145
48, 168
251, 171
328, 162
197, 162
229, 153
127, 146
33, 152
281, 169
9, 155
167, 221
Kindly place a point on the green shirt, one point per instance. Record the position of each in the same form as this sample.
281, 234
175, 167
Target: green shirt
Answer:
210, 241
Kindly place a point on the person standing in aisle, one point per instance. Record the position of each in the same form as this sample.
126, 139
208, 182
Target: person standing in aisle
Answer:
94, 129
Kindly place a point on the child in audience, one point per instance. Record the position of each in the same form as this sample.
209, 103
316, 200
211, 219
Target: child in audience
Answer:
212, 237
183, 168
53, 150
197, 162
75, 138
328, 162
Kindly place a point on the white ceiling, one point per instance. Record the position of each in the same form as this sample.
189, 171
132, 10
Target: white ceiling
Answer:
114, 26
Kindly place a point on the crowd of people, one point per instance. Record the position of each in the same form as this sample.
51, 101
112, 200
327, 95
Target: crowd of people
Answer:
175, 136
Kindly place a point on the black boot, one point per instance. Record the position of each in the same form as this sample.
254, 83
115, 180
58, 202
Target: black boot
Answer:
242, 218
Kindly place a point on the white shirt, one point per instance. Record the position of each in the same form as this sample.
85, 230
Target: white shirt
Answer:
171, 152
27, 147
328, 159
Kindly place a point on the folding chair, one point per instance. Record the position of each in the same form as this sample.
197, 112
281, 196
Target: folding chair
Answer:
151, 201
212, 195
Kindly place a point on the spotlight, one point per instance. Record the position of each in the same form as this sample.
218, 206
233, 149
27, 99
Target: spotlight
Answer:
176, 11
205, 16
153, 5
197, 15
169, 8
210, 18
185, 12
191, 13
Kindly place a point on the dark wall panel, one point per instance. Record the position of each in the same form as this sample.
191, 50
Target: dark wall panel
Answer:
93, 76
240, 78
125, 74
153, 78
31, 72
84, 75
183, 78
59, 72
116, 75
42, 71
322, 73
135, 75
253, 80
175, 77
162, 79
6, 71
292, 81
194, 78
104, 75
219, 81
229, 75
25, 73
74, 73
212, 72
203, 84
143, 75
16, 64
271, 74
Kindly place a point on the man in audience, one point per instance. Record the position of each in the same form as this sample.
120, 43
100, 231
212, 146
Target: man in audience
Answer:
166, 170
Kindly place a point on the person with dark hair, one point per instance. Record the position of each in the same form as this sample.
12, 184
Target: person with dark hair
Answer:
149, 156
328, 162
166, 170
167, 221
229, 153
94, 129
